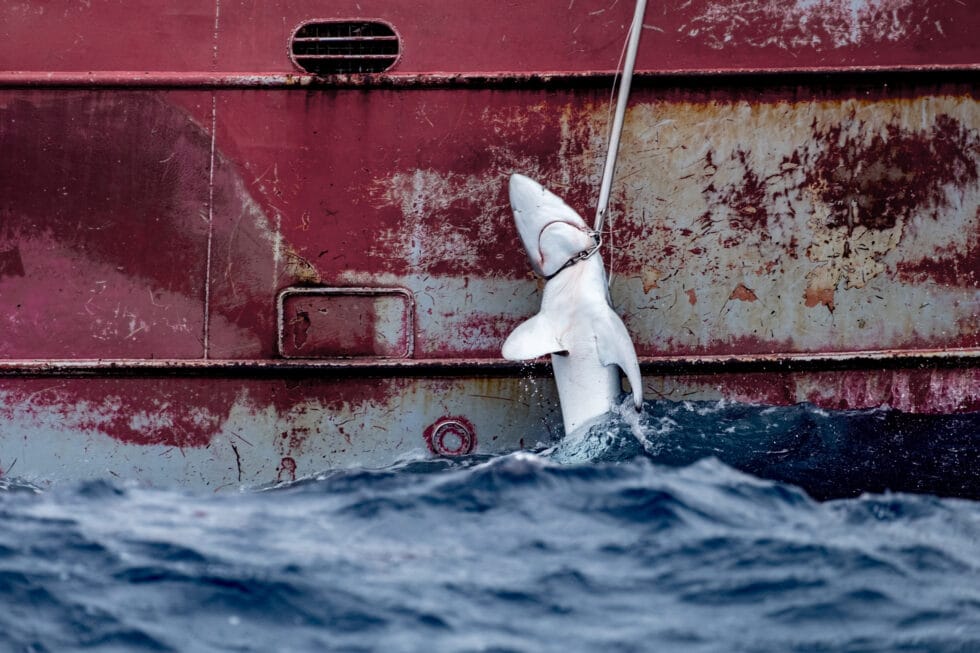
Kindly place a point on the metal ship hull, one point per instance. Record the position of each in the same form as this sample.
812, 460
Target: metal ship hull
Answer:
217, 268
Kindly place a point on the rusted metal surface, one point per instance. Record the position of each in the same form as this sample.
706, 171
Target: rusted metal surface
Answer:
753, 230
917, 390
451, 436
500, 80
796, 218
737, 228
346, 323
570, 35
221, 432
370, 366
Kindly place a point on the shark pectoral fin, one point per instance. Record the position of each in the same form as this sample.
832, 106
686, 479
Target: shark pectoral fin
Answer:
531, 339
615, 347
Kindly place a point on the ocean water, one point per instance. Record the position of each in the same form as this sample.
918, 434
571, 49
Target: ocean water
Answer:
691, 527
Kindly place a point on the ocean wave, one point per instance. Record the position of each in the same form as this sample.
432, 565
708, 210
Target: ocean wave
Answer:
676, 545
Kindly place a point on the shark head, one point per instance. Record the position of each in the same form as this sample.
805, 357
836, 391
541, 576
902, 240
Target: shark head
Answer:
552, 232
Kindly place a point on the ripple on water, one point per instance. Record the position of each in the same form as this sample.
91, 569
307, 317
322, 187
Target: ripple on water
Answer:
699, 527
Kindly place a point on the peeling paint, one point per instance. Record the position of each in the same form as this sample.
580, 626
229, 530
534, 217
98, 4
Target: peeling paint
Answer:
218, 432
800, 201
816, 201
810, 24
808, 245
150, 219
743, 294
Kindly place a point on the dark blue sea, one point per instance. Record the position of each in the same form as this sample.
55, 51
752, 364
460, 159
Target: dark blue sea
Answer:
696, 527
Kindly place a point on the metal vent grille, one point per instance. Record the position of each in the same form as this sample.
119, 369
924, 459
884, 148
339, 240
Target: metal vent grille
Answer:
345, 47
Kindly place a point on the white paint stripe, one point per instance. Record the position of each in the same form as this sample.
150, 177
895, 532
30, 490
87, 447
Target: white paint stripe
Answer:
214, 132
207, 268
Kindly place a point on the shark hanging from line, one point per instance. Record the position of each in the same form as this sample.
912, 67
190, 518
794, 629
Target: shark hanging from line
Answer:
576, 325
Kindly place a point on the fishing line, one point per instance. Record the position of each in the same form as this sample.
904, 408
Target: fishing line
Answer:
600, 222
616, 130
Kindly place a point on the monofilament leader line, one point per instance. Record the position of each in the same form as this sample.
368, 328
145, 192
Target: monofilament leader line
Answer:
617, 126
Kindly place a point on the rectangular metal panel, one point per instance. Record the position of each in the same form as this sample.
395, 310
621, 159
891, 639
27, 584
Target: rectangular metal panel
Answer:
252, 36
577, 35
104, 222
816, 217
345, 323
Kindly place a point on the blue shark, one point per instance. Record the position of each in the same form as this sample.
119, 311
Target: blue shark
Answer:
587, 340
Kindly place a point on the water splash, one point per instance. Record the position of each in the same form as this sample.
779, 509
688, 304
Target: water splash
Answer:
828, 453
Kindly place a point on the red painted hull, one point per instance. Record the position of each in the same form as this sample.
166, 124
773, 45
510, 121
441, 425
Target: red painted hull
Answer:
199, 242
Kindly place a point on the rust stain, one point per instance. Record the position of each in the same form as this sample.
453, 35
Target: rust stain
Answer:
808, 24
189, 413
745, 199
477, 331
809, 196
877, 176
867, 183
802, 193
833, 204
298, 329
926, 391
910, 390
743, 293
768, 268
158, 413
299, 269
287, 470
819, 295
293, 441
954, 264
651, 279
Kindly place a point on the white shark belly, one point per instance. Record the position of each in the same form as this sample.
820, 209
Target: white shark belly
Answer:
586, 388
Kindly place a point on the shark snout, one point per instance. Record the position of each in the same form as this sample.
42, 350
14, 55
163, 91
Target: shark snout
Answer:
551, 231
